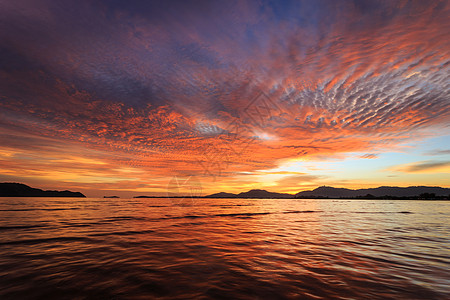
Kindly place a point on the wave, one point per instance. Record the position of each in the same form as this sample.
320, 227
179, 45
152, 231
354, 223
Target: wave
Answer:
45, 240
42, 209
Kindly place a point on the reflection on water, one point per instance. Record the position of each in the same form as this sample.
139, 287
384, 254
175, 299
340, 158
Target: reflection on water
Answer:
53, 248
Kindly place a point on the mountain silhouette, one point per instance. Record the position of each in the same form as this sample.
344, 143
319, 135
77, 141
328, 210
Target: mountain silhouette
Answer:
389, 191
263, 194
417, 192
10, 189
222, 195
256, 193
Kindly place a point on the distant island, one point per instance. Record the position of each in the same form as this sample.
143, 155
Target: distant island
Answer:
411, 192
328, 192
11, 189
256, 193
324, 192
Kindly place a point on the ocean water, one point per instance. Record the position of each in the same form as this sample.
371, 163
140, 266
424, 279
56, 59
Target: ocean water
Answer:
86, 248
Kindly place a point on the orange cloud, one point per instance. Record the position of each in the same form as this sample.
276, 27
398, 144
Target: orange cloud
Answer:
423, 167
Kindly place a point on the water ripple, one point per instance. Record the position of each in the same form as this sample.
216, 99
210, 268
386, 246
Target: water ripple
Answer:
224, 249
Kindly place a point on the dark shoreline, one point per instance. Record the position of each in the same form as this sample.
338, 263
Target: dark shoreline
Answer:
326, 192
13, 189
310, 198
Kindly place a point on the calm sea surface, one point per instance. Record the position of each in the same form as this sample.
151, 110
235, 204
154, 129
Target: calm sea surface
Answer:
64, 248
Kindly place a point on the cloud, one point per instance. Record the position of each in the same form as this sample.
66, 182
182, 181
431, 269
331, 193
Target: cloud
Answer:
299, 180
216, 89
369, 156
429, 166
438, 152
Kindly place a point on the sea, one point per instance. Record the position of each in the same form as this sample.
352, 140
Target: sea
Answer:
161, 248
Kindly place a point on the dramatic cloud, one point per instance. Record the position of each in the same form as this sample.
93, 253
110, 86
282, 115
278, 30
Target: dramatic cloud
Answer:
214, 89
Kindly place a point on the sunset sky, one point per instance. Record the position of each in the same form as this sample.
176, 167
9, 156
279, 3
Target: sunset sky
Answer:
119, 97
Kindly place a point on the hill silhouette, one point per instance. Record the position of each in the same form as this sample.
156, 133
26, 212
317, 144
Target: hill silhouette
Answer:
11, 189
222, 195
382, 191
416, 192
256, 193
263, 194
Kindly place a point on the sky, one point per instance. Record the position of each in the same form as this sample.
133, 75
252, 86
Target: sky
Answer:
194, 97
